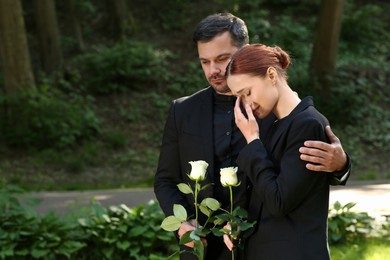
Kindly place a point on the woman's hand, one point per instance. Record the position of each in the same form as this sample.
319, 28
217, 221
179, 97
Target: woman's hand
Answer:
228, 239
189, 226
248, 126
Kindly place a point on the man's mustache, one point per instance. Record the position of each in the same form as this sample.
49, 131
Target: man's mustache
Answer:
217, 77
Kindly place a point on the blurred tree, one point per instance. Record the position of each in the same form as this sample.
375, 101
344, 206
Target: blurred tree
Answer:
323, 59
74, 22
120, 20
48, 33
13, 47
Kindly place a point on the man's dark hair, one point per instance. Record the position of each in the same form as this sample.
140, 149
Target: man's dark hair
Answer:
216, 24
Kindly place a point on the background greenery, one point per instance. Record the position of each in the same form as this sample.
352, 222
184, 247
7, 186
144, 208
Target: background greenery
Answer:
97, 122
95, 232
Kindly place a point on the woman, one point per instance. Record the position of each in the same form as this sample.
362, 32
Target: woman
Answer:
288, 201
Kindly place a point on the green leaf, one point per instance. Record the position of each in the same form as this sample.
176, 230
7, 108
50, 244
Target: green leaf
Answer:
239, 212
123, 245
211, 203
171, 223
199, 249
217, 232
337, 206
245, 226
224, 217
205, 210
206, 186
202, 231
185, 238
349, 205
332, 225
38, 253
336, 237
106, 218
217, 221
180, 212
194, 236
138, 230
184, 188
22, 252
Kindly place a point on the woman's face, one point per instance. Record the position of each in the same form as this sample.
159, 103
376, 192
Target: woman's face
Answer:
260, 93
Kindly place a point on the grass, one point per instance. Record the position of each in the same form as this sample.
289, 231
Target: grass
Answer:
370, 249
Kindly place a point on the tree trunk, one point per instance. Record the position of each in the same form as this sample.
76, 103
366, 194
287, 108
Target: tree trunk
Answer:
49, 36
119, 20
323, 60
75, 23
14, 53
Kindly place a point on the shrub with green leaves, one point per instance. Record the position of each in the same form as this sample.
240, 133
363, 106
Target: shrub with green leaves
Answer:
345, 225
124, 66
45, 117
119, 232
124, 233
92, 232
25, 235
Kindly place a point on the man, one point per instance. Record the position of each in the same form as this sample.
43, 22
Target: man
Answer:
201, 127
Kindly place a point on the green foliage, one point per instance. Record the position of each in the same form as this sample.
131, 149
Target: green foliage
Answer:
115, 139
123, 233
346, 225
357, 107
168, 14
127, 65
46, 117
365, 120
119, 232
25, 235
187, 82
363, 31
92, 233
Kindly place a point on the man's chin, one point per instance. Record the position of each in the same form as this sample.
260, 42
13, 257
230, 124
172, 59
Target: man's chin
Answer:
223, 90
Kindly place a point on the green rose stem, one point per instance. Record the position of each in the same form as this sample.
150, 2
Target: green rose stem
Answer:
231, 212
231, 199
196, 203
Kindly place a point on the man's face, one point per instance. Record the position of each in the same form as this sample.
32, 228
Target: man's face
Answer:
214, 56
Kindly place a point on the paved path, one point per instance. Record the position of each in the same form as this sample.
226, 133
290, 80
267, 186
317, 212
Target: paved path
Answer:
371, 197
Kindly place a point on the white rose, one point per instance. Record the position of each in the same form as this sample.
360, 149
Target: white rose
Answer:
198, 171
229, 176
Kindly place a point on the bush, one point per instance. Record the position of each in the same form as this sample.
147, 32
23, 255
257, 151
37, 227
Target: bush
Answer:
345, 225
46, 117
23, 234
93, 232
119, 232
124, 66
124, 233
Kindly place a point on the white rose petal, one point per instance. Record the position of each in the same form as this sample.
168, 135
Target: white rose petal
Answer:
198, 171
229, 176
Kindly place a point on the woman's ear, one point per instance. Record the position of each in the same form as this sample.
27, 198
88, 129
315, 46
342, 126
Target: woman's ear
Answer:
272, 74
